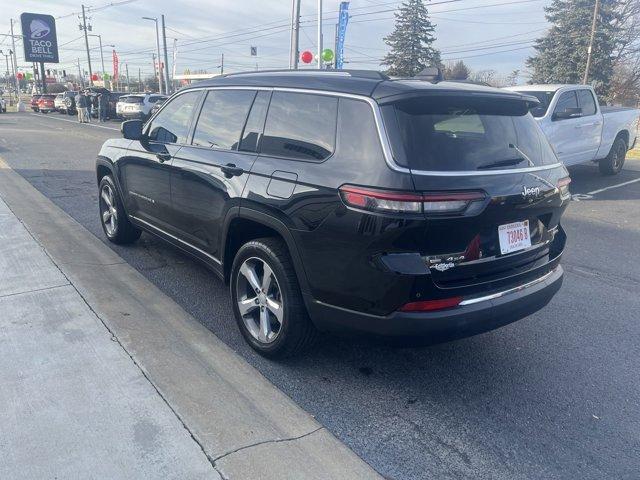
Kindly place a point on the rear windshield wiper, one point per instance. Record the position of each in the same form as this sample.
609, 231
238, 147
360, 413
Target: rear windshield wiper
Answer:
510, 161
501, 163
526, 157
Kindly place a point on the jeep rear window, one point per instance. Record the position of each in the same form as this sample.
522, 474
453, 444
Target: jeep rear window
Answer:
465, 133
133, 100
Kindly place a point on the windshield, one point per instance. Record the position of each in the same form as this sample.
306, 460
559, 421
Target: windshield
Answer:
132, 99
448, 133
545, 98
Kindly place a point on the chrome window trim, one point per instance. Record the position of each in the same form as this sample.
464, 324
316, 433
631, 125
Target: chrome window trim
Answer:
493, 296
382, 134
164, 232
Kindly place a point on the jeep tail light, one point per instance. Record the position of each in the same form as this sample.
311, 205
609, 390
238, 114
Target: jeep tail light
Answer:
381, 200
449, 202
563, 186
431, 305
404, 202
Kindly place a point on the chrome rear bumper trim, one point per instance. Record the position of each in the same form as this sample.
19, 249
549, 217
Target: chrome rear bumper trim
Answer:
472, 301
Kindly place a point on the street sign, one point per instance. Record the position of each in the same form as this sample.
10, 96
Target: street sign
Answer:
254, 51
39, 38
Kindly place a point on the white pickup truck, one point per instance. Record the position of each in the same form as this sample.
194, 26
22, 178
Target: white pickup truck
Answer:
581, 131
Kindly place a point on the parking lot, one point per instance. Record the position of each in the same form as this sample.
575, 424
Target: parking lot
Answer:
555, 395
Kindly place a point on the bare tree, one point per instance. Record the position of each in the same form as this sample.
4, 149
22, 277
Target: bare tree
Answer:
625, 84
484, 76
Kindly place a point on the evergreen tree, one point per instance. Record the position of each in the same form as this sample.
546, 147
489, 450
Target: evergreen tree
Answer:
411, 41
562, 53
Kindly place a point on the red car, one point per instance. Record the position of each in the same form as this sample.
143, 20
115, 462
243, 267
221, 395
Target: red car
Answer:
34, 102
46, 103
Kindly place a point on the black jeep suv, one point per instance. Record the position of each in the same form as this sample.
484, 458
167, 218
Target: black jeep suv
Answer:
346, 200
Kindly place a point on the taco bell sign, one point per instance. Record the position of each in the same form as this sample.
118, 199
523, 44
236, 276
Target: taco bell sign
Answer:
39, 38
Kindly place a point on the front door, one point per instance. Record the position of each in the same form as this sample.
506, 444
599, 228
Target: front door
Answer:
564, 133
210, 173
589, 126
145, 172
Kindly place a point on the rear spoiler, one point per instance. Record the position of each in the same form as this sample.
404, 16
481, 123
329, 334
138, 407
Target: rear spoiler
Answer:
488, 98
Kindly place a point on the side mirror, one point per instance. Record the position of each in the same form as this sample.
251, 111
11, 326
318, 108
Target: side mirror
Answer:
568, 113
132, 129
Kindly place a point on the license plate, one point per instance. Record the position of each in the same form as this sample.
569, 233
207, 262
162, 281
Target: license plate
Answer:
514, 236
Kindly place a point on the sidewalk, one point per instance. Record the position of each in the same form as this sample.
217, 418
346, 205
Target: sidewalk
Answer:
73, 403
104, 376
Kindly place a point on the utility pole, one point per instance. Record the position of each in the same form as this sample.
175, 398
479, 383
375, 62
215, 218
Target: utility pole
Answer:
101, 54
80, 74
222, 64
175, 58
154, 19
167, 83
153, 55
15, 69
319, 34
295, 35
126, 69
139, 81
594, 25
86, 43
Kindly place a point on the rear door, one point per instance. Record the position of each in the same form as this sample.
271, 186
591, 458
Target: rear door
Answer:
145, 172
210, 172
491, 186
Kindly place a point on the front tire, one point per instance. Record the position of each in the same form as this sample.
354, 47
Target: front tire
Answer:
113, 218
267, 301
612, 163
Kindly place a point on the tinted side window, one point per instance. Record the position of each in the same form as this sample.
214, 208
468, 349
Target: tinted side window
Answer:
255, 123
172, 124
566, 100
358, 143
587, 103
222, 118
300, 126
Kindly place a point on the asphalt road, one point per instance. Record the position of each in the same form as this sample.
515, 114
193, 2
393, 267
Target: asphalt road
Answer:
554, 396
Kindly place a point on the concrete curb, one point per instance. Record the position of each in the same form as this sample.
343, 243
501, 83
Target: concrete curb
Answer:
246, 426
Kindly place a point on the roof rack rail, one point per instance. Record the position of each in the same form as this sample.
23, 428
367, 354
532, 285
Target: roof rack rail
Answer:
372, 74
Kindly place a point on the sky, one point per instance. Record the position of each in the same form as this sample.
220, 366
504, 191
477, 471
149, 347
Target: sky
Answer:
487, 34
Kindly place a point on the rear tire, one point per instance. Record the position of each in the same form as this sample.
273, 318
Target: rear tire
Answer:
263, 278
612, 163
113, 218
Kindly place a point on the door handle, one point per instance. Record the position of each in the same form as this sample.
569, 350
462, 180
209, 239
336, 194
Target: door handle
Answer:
230, 170
163, 157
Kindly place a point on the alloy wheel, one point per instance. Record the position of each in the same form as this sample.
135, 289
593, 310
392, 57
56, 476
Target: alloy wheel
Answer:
259, 300
108, 212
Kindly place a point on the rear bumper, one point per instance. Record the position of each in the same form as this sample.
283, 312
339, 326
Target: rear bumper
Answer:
472, 316
132, 115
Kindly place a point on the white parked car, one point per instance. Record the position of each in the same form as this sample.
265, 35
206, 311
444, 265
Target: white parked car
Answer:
137, 105
581, 131
59, 103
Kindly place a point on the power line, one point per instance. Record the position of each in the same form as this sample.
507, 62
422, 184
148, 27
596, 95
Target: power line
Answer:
97, 9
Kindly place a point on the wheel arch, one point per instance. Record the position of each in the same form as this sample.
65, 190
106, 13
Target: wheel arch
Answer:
105, 166
244, 224
624, 134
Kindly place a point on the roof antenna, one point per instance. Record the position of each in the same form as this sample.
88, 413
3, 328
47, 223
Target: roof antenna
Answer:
430, 74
